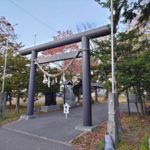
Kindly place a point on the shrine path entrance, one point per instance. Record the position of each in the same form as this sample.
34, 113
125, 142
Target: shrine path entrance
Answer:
51, 130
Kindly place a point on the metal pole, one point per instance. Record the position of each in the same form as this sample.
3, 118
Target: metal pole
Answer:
112, 125
112, 49
5, 66
64, 94
31, 89
86, 80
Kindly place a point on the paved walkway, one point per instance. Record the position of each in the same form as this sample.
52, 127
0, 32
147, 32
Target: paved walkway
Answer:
48, 132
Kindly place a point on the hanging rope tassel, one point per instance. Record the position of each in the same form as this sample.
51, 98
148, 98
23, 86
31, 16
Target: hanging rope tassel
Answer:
49, 82
53, 82
45, 80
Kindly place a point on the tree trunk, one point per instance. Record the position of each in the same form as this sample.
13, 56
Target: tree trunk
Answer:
78, 96
140, 100
106, 95
129, 112
118, 113
148, 95
136, 100
96, 97
17, 104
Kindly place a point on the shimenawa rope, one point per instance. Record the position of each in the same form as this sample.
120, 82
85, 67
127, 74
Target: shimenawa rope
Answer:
61, 72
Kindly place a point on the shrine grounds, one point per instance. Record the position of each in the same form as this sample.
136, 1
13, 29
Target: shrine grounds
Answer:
49, 130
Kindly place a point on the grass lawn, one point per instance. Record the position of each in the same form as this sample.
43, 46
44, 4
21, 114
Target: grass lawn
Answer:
11, 115
134, 135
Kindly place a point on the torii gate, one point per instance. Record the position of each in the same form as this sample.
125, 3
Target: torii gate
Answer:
84, 37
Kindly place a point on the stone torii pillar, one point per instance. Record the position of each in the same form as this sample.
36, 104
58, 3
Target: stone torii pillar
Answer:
31, 88
86, 82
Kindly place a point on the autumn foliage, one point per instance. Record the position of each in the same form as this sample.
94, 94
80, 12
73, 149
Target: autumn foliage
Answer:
75, 68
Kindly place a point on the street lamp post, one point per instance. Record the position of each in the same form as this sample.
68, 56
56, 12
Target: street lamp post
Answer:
5, 66
10, 33
2, 93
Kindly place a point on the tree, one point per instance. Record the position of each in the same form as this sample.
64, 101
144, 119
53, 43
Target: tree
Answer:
130, 45
131, 63
75, 66
17, 71
17, 74
129, 11
6, 32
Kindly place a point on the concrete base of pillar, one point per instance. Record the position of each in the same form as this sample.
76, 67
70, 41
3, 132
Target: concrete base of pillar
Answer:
85, 128
50, 108
28, 117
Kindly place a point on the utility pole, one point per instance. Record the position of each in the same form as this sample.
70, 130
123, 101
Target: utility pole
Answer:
113, 123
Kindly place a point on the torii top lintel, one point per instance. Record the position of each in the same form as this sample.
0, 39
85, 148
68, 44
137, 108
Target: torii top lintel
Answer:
94, 33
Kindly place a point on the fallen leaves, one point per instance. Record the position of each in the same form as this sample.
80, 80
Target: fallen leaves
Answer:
89, 140
136, 131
